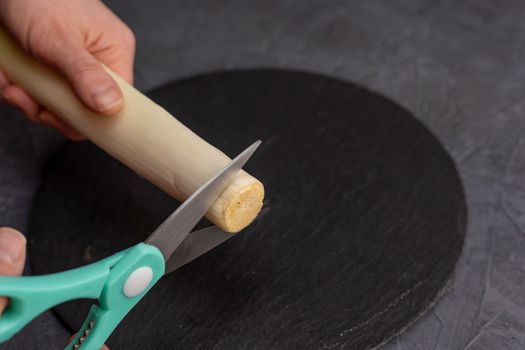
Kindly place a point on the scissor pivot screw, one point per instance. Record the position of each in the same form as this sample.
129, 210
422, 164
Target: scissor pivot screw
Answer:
138, 281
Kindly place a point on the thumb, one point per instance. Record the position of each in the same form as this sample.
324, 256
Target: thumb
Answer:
91, 82
12, 255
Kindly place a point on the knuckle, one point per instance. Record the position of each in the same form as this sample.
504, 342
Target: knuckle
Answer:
128, 38
85, 69
45, 37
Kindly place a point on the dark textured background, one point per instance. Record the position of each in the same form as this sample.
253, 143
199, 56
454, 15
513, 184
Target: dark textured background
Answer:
457, 65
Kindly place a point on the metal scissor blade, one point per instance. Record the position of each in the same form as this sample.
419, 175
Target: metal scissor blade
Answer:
178, 225
200, 242
196, 244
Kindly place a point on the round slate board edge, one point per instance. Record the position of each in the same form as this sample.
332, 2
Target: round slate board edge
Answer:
430, 299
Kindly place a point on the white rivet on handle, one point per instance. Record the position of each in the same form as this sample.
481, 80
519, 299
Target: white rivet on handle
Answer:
138, 281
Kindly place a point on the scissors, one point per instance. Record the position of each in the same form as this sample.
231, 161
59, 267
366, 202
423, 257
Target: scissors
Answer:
120, 281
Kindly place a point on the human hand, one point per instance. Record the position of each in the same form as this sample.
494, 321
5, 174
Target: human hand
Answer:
73, 37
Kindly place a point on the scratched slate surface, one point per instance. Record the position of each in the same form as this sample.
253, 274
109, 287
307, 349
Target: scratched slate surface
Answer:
368, 219
457, 65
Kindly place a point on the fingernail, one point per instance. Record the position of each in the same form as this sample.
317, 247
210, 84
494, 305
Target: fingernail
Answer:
106, 98
12, 245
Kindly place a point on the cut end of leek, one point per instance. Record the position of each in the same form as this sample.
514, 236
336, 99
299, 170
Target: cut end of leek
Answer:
242, 208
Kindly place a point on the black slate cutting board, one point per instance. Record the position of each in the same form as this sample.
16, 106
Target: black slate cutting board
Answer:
367, 219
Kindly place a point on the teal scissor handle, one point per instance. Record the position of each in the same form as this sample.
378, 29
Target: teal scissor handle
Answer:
114, 281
